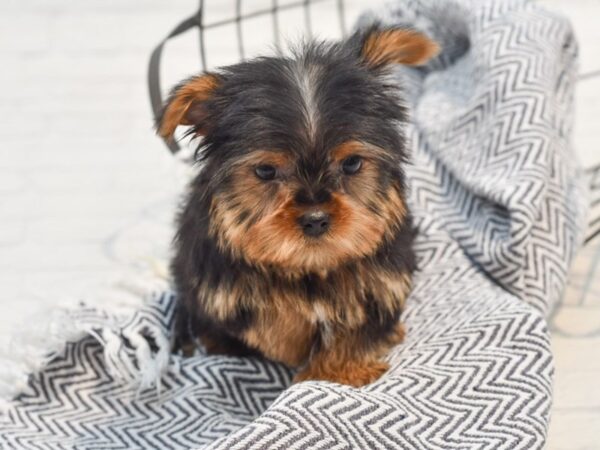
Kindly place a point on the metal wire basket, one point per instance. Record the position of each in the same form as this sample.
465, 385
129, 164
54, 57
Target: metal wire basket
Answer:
202, 23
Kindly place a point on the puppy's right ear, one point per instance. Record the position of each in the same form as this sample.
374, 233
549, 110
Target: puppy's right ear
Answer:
187, 105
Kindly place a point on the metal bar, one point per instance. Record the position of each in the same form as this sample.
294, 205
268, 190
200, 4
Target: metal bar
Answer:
594, 171
342, 16
154, 87
276, 36
307, 23
591, 237
201, 28
588, 75
238, 27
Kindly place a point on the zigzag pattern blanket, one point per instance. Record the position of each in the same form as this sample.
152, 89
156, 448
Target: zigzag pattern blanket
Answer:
500, 208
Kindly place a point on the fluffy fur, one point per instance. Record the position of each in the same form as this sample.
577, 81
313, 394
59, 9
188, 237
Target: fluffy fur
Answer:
295, 241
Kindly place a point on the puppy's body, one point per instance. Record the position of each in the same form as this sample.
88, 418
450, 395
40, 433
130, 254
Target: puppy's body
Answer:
295, 241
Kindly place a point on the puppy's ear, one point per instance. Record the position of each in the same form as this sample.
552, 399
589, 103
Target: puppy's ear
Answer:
187, 105
381, 47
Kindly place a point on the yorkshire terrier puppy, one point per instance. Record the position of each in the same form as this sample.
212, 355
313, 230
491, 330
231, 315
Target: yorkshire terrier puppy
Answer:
295, 241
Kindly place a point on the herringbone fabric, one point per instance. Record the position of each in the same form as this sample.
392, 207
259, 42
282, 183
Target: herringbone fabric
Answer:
500, 207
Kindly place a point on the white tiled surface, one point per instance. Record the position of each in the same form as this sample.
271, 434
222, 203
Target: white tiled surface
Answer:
87, 191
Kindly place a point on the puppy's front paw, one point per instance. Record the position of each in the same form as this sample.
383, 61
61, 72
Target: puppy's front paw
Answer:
355, 374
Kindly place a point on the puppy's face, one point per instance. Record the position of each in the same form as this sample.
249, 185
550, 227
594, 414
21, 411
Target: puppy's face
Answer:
303, 155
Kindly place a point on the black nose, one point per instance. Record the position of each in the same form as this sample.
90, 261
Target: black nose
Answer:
314, 223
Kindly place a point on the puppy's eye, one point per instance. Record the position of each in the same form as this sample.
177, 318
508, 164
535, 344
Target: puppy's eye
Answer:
265, 172
351, 164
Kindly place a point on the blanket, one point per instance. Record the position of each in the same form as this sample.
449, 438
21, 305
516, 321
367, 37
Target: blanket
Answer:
500, 207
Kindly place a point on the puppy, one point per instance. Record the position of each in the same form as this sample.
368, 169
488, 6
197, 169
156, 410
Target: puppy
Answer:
295, 242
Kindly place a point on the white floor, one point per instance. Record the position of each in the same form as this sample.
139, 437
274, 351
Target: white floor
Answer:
87, 192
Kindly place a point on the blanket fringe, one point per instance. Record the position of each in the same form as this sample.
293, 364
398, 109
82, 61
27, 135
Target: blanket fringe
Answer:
33, 347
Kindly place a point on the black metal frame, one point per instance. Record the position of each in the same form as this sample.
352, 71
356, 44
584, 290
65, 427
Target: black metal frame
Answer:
197, 20
593, 230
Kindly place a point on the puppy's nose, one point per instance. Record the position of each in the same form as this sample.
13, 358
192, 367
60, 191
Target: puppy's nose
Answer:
315, 223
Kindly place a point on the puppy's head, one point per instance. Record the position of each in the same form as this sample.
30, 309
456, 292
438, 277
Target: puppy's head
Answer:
303, 154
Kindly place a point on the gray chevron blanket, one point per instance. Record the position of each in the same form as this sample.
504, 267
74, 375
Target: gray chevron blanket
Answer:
500, 209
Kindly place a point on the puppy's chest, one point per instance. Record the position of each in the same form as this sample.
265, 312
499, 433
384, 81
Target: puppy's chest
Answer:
285, 318
288, 324
283, 333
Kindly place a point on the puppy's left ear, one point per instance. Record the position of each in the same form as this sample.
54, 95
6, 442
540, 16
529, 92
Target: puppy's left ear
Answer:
382, 47
187, 105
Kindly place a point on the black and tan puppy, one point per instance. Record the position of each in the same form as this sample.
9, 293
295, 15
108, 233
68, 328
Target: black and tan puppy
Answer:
295, 241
